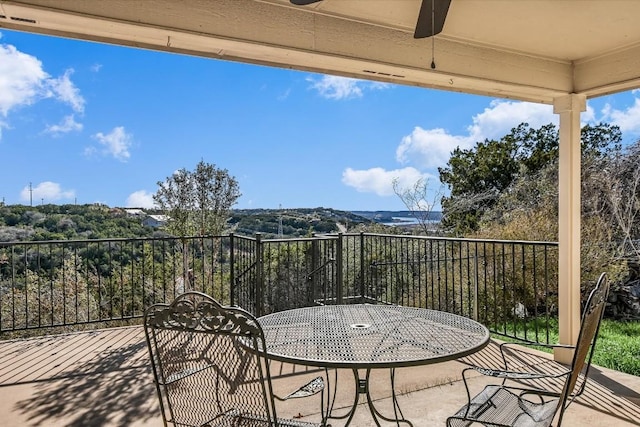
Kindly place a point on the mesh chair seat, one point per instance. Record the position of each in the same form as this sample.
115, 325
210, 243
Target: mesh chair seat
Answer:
499, 406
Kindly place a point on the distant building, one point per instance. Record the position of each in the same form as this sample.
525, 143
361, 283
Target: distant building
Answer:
155, 221
134, 212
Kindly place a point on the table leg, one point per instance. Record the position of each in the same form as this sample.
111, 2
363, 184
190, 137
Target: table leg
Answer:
398, 416
331, 400
362, 387
352, 410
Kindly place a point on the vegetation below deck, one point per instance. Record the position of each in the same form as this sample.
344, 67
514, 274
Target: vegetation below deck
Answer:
617, 348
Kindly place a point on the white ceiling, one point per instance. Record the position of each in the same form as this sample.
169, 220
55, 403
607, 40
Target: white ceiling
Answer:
532, 50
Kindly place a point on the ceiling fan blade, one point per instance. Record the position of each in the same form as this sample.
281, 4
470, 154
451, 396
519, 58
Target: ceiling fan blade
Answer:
303, 2
427, 24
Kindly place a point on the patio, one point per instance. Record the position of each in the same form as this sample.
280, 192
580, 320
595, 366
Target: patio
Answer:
537, 51
102, 378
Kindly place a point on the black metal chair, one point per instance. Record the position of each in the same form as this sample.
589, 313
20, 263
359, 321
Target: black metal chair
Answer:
210, 366
513, 404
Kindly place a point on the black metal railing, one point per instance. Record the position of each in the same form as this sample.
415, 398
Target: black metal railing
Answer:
64, 283
510, 286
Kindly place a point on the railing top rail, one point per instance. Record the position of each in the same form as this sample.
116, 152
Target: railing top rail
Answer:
299, 239
286, 240
463, 239
115, 239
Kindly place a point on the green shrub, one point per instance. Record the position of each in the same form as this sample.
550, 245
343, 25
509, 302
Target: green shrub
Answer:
618, 345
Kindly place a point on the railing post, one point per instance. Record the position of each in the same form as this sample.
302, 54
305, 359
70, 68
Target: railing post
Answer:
339, 272
475, 286
259, 276
315, 263
362, 269
232, 270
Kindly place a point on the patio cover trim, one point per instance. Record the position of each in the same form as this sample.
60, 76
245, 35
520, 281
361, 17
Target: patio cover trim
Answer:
306, 42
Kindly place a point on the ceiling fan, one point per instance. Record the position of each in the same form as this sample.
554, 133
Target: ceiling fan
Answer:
430, 19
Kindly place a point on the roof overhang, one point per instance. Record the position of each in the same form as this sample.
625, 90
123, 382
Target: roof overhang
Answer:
518, 50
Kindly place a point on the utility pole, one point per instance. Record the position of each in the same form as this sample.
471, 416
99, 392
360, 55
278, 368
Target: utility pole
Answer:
30, 195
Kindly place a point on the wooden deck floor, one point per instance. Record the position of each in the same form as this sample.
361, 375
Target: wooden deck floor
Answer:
102, 378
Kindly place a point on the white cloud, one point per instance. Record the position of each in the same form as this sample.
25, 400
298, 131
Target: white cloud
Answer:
140, 199
64, 90
336, 87
502, 116
24, 82
21, 79
68, 124
46, 191
628, 119
588, 116
116, 143
379, 180
431, 148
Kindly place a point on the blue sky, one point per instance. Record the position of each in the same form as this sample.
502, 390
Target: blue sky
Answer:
84, 122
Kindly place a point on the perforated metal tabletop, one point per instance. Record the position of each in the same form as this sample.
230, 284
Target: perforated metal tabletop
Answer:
370, 336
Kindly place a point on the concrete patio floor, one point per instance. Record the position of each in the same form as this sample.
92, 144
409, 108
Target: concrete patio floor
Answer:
103, 378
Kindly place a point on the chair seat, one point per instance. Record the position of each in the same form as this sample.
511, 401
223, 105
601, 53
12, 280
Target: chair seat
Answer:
498, 406
314, 386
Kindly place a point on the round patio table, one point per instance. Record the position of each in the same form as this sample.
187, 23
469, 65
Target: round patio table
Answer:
366, 337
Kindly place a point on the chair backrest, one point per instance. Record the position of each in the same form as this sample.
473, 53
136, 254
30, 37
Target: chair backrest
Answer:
205, 361
587, 337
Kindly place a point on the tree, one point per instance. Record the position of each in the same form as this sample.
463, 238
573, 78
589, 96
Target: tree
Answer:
610, 196
477, 177
175, 198
417, 201
613, 193
197, 202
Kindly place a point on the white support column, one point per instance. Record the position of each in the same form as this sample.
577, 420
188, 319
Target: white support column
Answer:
569, 108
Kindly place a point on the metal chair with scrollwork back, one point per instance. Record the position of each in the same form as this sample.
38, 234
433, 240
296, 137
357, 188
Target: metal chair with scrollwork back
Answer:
210, 368
511, 404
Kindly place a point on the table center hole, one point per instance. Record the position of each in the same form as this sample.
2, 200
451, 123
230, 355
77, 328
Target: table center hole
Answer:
360, 326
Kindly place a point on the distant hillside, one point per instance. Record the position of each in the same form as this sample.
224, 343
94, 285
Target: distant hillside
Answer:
69, 222
389, 216
295, 222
